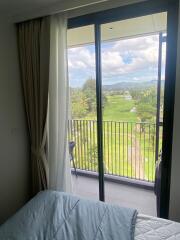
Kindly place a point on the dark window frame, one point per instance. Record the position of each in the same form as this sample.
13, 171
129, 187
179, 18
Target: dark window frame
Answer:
123, 13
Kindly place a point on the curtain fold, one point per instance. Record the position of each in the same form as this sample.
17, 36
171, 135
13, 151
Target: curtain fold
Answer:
34, 51
59, 163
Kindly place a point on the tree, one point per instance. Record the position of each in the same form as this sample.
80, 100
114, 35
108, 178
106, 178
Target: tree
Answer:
79, 106
145, 101
146, 112
89, 89
83, 101
135, 94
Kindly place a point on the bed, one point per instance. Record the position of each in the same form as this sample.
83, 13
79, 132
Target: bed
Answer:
152, 228
53, 215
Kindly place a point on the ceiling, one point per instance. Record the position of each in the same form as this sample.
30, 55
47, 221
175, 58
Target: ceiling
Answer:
21, 10
16, 7
27, 9
147, 25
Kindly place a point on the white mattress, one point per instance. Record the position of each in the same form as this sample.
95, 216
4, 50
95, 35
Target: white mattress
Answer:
152, 228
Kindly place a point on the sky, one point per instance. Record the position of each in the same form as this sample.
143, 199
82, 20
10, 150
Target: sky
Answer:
128, 60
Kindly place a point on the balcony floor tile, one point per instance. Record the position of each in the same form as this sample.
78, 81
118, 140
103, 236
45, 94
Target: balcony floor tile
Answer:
127, 196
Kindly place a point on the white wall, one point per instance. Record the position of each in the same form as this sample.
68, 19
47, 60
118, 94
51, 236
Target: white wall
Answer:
175, 172
14, 169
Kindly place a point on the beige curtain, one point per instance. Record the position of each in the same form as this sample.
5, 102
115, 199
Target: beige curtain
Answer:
59, 162
34, 47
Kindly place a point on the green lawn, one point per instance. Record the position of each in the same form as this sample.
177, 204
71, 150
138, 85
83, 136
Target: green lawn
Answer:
118, 108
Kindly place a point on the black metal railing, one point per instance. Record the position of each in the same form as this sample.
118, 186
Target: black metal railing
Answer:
128, 147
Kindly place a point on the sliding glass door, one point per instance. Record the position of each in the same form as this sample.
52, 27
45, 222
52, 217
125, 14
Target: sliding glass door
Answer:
119, 89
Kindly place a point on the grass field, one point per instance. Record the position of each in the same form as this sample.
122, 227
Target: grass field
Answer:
118, 108
128, 150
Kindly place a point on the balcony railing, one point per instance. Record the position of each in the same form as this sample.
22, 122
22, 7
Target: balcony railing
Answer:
128, 148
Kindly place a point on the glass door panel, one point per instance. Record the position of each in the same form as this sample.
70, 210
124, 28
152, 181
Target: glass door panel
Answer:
82, 129
129, 102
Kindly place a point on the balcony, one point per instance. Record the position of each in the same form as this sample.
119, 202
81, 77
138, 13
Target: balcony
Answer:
129, 162
143, 200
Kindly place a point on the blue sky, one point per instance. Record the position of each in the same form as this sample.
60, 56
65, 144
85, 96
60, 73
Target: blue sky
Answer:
124, 60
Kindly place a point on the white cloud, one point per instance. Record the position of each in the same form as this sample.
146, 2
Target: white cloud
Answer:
123, 58
81, 57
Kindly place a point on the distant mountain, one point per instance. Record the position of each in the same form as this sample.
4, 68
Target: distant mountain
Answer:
122, 86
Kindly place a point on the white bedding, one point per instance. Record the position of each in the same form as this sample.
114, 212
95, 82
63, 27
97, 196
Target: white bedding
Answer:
54, 215
152, 228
